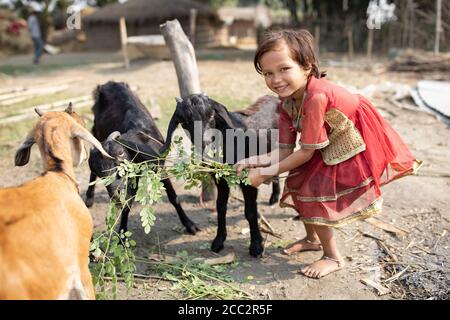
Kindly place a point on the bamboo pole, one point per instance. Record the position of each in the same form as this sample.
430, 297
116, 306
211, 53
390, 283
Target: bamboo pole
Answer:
13, 98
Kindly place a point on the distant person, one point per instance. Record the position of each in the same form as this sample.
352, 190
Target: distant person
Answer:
348, 151
36, 34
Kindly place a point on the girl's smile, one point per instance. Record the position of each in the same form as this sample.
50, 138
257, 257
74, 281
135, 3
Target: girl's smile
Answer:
282, 74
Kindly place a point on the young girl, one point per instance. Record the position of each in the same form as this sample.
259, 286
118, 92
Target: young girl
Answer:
347, 149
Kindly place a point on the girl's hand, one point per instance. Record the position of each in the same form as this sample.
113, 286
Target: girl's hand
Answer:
244, 163
256, 178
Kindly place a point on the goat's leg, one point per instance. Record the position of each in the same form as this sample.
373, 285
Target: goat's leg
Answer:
190, 226
251, 214
124, 218
90, 193
126, 209
86, 281
275, 192
223, 192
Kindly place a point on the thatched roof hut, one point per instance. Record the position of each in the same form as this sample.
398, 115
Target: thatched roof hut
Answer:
243, 22
144, 17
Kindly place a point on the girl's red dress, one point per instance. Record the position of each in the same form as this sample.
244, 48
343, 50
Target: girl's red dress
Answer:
336, 194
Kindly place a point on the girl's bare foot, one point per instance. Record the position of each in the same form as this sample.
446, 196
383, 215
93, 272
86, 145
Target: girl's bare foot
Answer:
302, 245
322, 267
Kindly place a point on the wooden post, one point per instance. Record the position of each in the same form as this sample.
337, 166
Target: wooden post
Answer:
192, 25
438, 25
183, 57
123, 41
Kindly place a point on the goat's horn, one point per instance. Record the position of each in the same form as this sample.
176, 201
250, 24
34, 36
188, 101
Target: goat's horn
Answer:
69, 108
82, 133
178, 100
39, 112
113, 135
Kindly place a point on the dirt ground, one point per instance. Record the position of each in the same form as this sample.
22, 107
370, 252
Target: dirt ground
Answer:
419, 205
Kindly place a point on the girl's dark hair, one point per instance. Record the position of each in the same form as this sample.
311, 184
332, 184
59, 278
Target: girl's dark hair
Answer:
300, 44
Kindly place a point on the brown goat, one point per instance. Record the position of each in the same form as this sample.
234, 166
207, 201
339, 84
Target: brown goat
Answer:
45, 227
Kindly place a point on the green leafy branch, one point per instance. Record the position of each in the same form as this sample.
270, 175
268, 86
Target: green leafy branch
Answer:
197, 280
113, 251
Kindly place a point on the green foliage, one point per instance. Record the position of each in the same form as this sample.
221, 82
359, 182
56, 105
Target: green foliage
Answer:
113, 251
197, 280
219, 3
194, 170
102, 3
114, 258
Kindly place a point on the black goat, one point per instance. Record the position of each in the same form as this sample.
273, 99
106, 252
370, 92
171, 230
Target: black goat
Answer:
120, 115
213, 115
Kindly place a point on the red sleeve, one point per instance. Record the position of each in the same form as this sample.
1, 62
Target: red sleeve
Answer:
314, 133
286, 136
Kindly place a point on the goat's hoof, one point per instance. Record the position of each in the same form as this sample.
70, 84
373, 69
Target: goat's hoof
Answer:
256, 250
273, 199
89, 202
217, 246
192, 228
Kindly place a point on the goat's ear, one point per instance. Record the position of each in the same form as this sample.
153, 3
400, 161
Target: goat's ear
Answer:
222, 112
173, 124
178, 100
23, 153
69, 108
96, 93
82, 133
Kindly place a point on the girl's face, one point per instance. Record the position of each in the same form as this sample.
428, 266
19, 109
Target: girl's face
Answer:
282, 74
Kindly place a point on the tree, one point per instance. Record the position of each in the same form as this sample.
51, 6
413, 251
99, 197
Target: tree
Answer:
292, 6
102, 3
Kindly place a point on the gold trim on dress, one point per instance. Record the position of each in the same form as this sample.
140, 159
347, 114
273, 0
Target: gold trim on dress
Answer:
286, 145
413, 171
315, 146
373, 208
337, 195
